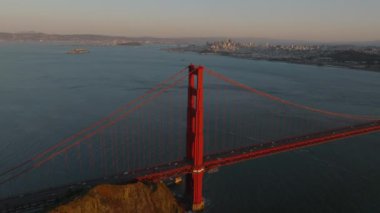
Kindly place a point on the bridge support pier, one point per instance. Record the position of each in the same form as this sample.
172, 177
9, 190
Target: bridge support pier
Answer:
194, 143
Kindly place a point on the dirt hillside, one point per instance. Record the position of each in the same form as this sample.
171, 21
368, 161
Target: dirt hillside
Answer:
126, 198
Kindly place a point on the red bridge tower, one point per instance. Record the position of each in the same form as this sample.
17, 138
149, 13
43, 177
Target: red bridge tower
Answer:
194, 143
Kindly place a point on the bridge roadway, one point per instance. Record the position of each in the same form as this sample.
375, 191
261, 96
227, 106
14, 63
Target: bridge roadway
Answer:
37, 201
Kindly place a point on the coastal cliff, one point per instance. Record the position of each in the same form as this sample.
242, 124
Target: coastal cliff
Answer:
136, 197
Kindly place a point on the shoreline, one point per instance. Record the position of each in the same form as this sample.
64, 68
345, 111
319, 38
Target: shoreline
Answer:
289, 61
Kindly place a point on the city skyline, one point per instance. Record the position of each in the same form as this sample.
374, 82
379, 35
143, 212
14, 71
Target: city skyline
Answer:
326, 21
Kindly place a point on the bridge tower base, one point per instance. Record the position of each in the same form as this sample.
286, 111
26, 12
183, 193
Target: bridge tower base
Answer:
194, 142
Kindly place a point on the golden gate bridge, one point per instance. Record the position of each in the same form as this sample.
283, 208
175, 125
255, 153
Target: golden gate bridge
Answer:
174, 130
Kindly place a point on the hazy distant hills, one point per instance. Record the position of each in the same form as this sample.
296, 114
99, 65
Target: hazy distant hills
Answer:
104, 39
287, 42
33, 36
91, 38
79, 38
368, 43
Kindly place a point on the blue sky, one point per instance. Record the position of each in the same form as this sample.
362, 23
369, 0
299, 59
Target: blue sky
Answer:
323, 20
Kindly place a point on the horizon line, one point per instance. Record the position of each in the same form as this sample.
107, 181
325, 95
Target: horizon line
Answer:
196, 37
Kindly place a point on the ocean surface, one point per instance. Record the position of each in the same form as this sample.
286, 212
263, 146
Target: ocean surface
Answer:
47, 95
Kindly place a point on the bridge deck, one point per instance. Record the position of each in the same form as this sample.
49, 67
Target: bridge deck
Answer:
288, 144
52, 196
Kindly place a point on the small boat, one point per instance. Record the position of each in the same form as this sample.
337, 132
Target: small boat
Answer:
178, 180
78, 51
214, 170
